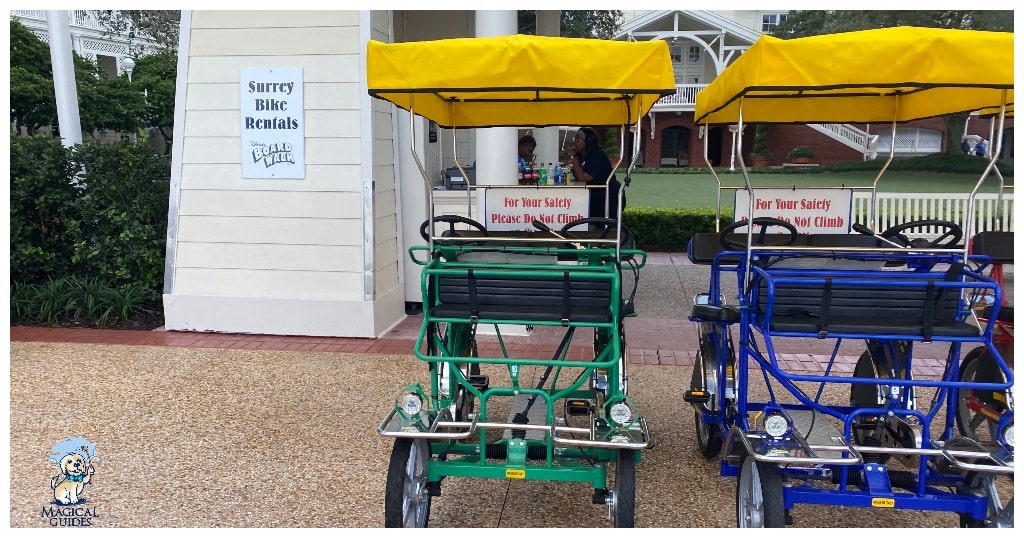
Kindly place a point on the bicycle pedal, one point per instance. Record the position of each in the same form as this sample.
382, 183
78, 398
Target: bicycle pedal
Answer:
479, 382
434, 489
697, 396
579, 408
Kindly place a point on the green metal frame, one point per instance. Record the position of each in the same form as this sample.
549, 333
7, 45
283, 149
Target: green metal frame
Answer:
450, 352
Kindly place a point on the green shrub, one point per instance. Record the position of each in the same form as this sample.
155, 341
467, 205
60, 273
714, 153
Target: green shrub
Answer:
124, 214
760, 147
71, 300
936, 162
669, 230
800, 151
88, 232
96, 210
45, 221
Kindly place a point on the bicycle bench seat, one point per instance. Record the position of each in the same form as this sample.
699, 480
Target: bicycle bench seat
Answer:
998, 245
567, 299
705, 246
707, 312
1005, 314
850, 307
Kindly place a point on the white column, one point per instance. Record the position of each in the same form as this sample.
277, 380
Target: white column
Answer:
496, 147
548, 143
64, 89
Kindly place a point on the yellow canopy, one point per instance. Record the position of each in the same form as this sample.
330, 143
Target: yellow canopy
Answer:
521, 79
871, 76
994, 111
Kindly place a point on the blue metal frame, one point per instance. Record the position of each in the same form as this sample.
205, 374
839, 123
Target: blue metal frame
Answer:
930, 486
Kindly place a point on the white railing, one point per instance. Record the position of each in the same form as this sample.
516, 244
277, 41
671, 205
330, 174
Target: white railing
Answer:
845, 133
686, 95
898, 208
77, 17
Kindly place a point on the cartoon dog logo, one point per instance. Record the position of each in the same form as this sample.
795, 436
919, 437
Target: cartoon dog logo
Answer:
73, 457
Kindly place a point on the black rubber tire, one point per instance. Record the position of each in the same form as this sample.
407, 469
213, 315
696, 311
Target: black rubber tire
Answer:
466, 401
967, 422
709, 437
764, 478
398, 487
863, 395
1000, 515
625, 489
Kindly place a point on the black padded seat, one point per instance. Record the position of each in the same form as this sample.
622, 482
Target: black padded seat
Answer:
1005, 313
571, 298
703, 247
864, 309
707, 312
998, 245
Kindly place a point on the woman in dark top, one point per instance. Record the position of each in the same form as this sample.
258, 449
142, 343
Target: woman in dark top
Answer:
590, 164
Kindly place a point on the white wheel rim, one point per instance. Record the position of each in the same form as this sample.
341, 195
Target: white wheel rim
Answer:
751, 499
415, 501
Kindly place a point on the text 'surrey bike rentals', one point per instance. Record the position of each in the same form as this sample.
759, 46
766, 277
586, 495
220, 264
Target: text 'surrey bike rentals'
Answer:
487, 412
895, 442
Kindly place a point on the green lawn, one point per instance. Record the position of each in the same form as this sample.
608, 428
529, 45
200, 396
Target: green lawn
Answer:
698, 190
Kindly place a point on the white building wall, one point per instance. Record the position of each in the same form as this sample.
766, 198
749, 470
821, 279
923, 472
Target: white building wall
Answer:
749, 18
282, 256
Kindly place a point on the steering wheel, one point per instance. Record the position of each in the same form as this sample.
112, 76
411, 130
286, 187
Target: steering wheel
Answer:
606, 227
950, 236
764, 223
452, 220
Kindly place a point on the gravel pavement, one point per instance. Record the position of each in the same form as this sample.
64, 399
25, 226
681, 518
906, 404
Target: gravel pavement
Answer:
240, 438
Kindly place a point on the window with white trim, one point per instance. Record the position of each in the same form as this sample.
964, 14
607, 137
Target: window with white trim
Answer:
770, 20
676, 52
693, 54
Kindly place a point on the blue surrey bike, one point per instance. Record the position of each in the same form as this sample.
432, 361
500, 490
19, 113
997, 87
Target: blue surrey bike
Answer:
895, 443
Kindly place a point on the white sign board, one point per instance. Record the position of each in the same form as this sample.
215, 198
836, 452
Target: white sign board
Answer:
273, 123
516, 209
810, 210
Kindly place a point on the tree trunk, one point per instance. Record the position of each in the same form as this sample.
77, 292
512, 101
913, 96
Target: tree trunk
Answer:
955, 131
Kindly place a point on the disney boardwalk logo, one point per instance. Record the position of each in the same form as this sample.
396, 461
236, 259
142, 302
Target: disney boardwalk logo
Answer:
271, 154
74, 458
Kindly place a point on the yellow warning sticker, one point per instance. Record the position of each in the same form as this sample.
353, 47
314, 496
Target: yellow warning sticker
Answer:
882, 502
518, 474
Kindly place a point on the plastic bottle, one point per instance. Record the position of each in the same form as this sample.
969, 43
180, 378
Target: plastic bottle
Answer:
559, 174
542, 178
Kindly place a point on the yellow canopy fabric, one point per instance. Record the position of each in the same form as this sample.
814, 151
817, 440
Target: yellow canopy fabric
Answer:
871, 76
994, 111
521, 80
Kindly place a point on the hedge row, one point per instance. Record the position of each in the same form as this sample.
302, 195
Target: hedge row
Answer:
668, 230
91, 211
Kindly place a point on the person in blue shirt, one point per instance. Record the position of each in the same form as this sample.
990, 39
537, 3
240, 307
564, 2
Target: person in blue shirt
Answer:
590, 164
979, 149
527, 144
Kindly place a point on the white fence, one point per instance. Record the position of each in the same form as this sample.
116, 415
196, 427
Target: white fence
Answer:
898, 208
